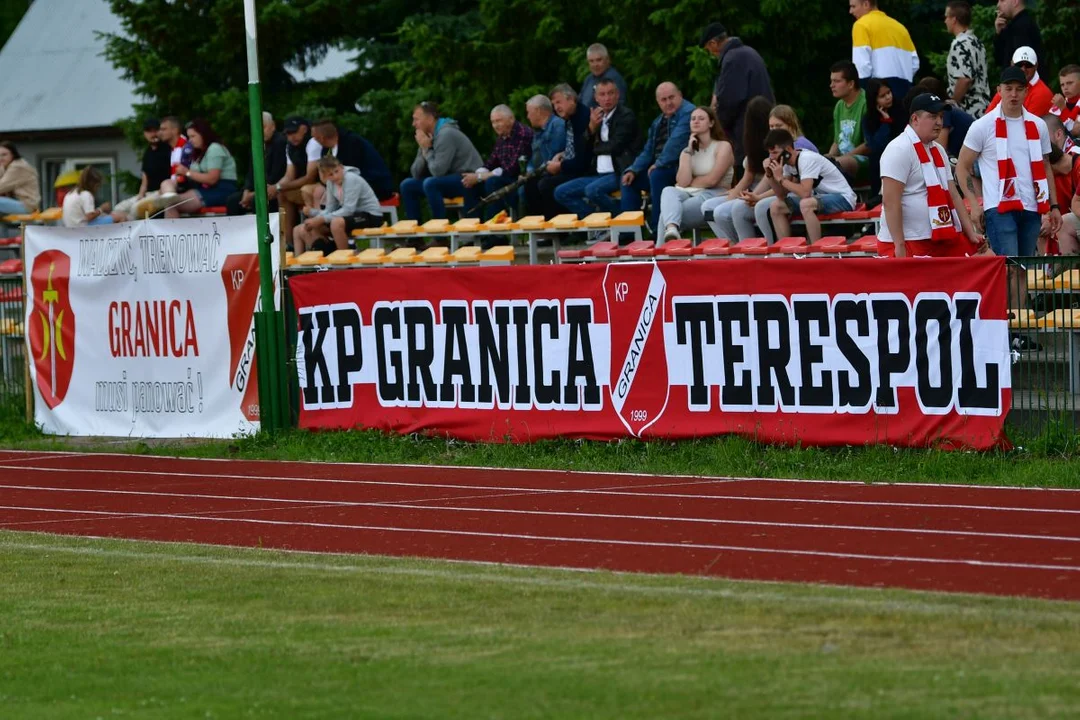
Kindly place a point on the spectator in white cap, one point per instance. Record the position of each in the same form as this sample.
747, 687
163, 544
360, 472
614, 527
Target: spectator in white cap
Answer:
1039, 98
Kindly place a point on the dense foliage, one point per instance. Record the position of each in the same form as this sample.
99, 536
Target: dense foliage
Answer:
187, 56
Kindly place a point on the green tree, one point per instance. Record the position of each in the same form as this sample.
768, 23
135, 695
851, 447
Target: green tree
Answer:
11, 12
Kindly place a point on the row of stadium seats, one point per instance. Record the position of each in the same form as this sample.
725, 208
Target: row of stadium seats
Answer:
402, 257
835, 246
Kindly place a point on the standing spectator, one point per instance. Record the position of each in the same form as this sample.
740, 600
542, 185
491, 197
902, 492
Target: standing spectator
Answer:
1011, 146
923, 212
301, 170
1066, 104
784, 117
599, 69
1015, 28
20, 189
741, 76
572, 161
848, 148
355, 151
549, 139
706, 167
655, 166
513, 141
443, 156
881, 126
804, 184
274, 164
80, 205
966, 64
1039, 98
156, 168
613, 139
351, 204
881, 48
756, 125
211, 179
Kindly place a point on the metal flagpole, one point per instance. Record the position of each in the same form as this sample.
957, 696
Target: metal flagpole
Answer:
269, 322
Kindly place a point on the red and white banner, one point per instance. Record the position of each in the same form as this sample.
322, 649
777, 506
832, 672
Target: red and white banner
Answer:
909, 352
144, 329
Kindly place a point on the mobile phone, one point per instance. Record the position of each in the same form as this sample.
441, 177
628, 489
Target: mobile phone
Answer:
784, 157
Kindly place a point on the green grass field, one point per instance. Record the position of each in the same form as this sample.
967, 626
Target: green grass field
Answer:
95, 628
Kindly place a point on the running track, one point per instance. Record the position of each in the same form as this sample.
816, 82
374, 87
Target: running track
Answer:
962, 539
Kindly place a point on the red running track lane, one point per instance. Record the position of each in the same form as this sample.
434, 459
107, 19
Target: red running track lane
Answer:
948, 538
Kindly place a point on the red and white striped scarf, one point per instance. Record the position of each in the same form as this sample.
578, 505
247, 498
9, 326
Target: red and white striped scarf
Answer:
1010, 198
1070, 148
944, 222
1069, 115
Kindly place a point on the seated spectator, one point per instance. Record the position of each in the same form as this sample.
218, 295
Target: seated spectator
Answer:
599, 69
156, 169
572, 161
922, 211
350, 204
443, 156
706, 168
955, 120
355, 151
211, 179
171, 133
655, 166
1066, 104
848, 148
1039, 98
807, 182
549, 139
80, 206
1066, 169
718, 210
274, 164
301, 170
20, 189
783, 117
513, 141
881, 126
613, 141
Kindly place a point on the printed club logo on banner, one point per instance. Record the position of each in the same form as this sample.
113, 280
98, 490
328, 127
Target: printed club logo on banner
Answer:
52, 327
240, 274
635, 295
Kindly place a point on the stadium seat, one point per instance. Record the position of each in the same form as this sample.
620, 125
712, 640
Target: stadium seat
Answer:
1038, 280
740, 248
402, 256
1068, 281
438, 226
468, 255
533, 223
567, 221
309, 258
404, 227
788, 246
680, 248
1067, 318
1023, 319
716, 247
601, 250
213, 210
597, 221
643, 249
340, 257
498, 255
14, 266
434, 256
372, 256
819, 247
389, 207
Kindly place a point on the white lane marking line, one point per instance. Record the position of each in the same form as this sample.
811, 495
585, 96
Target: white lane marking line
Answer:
713, 478
572, 540
549, 491
302, 504
39, 457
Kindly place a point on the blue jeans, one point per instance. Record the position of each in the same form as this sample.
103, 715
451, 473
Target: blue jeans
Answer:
103, 219
435, 189
655, 184
827, 204
571, 194
1013, 234
11, 206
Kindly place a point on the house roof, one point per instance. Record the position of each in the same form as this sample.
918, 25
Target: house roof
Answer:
54, 76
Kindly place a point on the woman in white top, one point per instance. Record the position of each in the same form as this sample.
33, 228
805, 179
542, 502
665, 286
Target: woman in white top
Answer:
79, 208
706, 167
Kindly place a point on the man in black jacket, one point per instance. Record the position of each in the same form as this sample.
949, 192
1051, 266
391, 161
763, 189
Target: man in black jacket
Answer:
614, 140
1016, 27
274, 152
352, 150
574, 160
741, 76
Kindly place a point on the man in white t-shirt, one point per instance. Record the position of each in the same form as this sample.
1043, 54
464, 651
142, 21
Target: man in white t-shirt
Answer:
808, 182
923, 213
301, 170
1016, 180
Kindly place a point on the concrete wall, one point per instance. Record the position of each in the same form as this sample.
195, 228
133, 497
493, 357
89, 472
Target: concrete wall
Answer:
37, 152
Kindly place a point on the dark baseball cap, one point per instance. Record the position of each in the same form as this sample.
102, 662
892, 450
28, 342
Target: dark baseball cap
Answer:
926, 102
293, 123
1013, 74
712, 30
151, 124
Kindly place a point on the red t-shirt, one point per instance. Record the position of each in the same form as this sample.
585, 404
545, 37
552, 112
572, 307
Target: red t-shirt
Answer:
1038, 101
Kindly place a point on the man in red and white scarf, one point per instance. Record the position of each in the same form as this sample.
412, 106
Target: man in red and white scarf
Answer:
1012, 147
923, 212
1066, 104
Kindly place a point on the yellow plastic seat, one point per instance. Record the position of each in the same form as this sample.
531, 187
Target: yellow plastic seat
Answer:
567, 221
597, 220
372, 256
1038, 280
1068, 281
404, 227
1067, 318
629, 218
311, 257
371, 232
499, 254
53, 214
21, 218
289, 259
402, 256
454, 202
340, 257
434, 256
1023, 319
532, 223
437, 226
469, 254
468, 225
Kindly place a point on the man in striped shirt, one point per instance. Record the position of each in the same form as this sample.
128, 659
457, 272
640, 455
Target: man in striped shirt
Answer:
882, 48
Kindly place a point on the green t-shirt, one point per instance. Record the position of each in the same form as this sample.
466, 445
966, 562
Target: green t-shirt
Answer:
217, 158
847, 123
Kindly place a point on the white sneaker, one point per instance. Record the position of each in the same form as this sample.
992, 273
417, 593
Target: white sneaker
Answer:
671, 234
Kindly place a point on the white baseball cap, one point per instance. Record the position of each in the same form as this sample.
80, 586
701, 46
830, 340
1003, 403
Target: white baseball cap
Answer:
1025, 54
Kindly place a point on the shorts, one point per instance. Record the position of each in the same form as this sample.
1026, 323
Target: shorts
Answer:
363, 220
827, 204
960, 247
216, 195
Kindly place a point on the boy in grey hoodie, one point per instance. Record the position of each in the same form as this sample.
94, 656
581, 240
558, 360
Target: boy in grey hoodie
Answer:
350, 204
444, 154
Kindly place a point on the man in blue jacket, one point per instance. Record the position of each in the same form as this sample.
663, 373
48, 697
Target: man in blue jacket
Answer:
573, 161
655, 167
741, 76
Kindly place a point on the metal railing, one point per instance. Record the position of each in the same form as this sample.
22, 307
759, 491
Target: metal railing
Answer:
12, 353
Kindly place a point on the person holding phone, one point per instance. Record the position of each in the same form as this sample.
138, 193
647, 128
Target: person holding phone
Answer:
706, 168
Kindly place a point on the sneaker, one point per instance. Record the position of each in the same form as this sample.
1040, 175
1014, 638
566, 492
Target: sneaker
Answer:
671, 234
1022, 343
598, 237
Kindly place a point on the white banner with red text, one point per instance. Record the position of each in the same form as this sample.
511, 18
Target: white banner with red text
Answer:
145, 329
909, 352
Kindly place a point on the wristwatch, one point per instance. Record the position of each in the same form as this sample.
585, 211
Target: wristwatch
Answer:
278, 187
1055, 206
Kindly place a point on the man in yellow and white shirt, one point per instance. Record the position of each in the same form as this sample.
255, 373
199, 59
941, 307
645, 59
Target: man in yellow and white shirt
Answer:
882, 48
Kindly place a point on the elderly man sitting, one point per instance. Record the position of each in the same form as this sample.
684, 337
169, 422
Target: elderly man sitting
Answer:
513, 142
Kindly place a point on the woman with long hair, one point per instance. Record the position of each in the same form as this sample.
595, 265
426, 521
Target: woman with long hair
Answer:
755, 127
211, 179
20, 189
881, 125
784, 117
80, 208
706, 167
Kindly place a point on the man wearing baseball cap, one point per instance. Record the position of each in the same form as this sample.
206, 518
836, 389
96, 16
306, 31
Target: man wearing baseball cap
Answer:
301, 168
1012, 147
1039, 98
741, 75
923, 212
